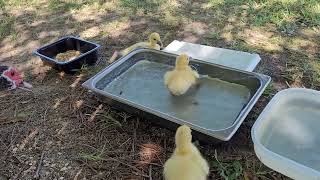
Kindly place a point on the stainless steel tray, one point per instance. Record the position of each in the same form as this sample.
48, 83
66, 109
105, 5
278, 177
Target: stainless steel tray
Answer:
216, 108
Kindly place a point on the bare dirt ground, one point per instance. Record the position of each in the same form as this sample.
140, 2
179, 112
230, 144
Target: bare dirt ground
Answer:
80, 137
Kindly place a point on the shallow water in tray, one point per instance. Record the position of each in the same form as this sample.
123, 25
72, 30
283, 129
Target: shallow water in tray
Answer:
214, 104
295, 134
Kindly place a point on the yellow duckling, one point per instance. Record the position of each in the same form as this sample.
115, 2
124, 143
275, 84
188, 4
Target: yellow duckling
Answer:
153, 43
179, 80
186, 162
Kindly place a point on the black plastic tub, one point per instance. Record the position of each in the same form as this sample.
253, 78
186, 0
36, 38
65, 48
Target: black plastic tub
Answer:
88, 56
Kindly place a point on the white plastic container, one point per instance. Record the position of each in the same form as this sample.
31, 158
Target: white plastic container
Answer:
226, 57
286, 135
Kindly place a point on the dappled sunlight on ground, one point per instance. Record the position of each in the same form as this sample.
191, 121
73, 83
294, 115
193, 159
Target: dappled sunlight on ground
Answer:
78, 104
77, 81
150, 153
257, 38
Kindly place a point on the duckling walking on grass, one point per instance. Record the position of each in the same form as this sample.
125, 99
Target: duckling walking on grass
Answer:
179, 80
186, 162
153, 43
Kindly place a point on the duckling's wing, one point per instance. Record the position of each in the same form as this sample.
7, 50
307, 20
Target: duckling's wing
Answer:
167, 77
133, 47
156, 47
195, 73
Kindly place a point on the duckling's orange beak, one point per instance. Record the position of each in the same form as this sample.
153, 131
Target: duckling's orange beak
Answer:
160, 44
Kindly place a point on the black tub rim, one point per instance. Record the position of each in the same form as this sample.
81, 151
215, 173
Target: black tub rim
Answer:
48, 59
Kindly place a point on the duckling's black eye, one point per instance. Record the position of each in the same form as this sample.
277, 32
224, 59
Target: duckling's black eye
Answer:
154, 39
12, 73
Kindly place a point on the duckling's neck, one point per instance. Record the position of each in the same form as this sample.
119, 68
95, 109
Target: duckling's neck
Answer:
184, 148
181, 68
152, 44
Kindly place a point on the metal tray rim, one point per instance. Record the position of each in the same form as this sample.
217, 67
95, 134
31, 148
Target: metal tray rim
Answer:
228, 131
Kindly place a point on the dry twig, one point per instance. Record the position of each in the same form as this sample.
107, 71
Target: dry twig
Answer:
28, 138
150, 172
37, 175
76, 177
94, 114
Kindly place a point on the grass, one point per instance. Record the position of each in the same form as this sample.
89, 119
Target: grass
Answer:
304, 73
16, 3
96, 156
214, 35
257, 170
270, 90
283, 13
23, 115
6, 23
241, 46
303, 70
228, 170
110, 121
74, 5
88, 70
2, 4
15, 36
147, 6
58, 5
91, 157
171, 20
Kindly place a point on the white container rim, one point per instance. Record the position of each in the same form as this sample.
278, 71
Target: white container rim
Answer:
260, 147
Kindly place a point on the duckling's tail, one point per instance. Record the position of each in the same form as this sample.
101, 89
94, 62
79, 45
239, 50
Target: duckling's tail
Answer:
183, 139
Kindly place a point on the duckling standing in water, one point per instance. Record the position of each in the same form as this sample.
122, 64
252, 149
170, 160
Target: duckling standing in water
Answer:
153, 43
179, 80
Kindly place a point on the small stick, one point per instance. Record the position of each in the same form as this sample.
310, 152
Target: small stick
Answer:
135, 134
288, 84
15, 111
83, 163
125, 142
98, 62
95, 113
76, 81
27, 85
123, 163
28, 138
76, 177
142, 175
134, 139
45, 114
37, 175
150, 172
26, 89
148, 163
159, 159
10, 121
17, 175
113, 57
